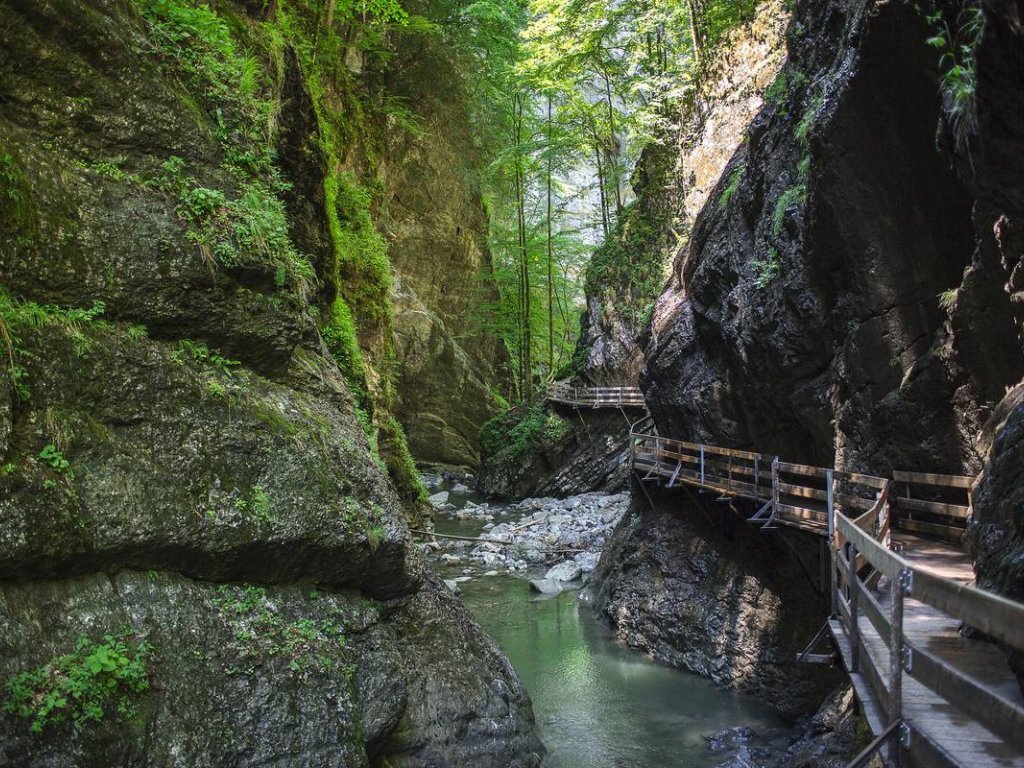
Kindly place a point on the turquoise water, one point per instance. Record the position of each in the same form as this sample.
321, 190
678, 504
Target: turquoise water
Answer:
598, 704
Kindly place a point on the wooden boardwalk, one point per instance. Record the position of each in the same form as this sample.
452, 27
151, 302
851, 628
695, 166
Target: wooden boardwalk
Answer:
931, 696
595, 397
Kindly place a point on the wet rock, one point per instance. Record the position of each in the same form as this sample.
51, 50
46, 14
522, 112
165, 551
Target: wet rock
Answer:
439, 498
566, 571
587, 561
548, 586
453, 585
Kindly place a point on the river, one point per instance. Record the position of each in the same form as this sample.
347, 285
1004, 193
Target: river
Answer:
599, 704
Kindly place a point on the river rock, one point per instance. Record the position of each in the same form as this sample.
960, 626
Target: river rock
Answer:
587, 561
439, 498
566, 571
547, 586
453, 585
459, 488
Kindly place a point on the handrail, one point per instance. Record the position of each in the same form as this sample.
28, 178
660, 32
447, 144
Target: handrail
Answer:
993, 614
857, 511
612, 397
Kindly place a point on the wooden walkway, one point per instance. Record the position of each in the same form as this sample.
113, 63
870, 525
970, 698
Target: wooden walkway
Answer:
931, 696
595, 397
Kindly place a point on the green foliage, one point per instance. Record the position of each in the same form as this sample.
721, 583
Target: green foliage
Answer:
16, 209
82, 685
767, 269
56, 460
252, 227
957, 40
363, 268
257, 506
198, 352
777, 92
514, 434
947, 299
17, 317
401, 467
260, 632
733, 183
792, 196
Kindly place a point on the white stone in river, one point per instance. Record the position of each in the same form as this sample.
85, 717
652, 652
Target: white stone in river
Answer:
547, 586
565, 571
453, 585
459, 488
438, 498
462, 579
491, 573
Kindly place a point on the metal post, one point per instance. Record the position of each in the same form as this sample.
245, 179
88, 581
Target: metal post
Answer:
775, 488
702, 465
854, 627
833, 583
899, 656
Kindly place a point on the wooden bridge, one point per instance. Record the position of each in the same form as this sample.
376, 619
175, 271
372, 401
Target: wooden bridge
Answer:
931, 696
595, 397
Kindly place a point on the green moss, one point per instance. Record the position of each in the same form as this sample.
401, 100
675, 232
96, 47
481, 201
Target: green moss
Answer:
17, 211
512, 435
401, 467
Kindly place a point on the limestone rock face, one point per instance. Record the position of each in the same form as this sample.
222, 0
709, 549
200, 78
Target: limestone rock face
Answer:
435, 219
804, 318
444, 395
181, 456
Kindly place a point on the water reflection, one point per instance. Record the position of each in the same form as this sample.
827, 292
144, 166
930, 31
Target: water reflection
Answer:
599, 704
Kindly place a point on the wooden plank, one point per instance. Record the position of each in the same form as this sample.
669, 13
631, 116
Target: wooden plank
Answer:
951, 533
803, 513
876, 554
932, 507
789, 489
869, 707
993, 614
802, 469
927, 478
977, 700
871, 608
860, 503
858, 479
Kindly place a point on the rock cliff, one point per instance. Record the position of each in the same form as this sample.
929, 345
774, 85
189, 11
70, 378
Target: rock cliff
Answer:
194, 512
842, 299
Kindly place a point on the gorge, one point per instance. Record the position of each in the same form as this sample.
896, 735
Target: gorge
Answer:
281, 279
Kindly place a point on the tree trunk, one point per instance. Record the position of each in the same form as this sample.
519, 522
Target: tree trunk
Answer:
551, 261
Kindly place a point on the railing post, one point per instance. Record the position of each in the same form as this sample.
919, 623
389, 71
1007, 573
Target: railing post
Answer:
757, 479
702, 465
854, 611
831, 513
899, 656
775, 488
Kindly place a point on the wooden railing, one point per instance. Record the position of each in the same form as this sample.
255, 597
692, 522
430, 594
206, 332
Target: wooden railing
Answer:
794, 494
936, 505
857, 514
859, 553
595, 397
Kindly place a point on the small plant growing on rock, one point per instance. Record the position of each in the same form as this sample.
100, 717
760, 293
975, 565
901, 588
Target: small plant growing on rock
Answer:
82, 685
56, 460
735, 178
766, 270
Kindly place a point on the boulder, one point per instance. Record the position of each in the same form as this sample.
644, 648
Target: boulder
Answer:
565, 571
